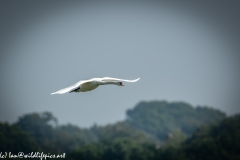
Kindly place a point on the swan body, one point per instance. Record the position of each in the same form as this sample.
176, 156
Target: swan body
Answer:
91, 84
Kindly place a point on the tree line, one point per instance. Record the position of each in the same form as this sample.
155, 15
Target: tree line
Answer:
152, 130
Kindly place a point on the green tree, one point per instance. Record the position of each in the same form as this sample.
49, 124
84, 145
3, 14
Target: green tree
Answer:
158, 118
14, 140
120, 130
220, 141
40, 127
175, 139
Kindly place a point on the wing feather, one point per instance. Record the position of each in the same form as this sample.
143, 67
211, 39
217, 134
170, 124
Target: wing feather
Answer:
109, 79
68, 89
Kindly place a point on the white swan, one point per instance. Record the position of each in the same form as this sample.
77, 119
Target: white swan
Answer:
88, 85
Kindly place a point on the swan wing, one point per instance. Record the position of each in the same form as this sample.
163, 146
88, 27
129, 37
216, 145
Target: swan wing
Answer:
109, 79
71, 88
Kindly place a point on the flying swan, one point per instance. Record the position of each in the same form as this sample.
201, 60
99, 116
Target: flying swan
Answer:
91, 84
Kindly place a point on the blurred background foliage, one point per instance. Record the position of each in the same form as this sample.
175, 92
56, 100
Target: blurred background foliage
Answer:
152, 130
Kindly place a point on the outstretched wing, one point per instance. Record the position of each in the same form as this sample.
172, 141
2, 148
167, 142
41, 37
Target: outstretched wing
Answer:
69, 89
109, 79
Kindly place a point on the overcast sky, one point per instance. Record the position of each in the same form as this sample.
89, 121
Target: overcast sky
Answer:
182, 51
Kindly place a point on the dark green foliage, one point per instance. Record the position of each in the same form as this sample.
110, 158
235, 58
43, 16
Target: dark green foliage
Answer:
13, 139
92, 151
158, 118
133, 139
52, 137
120, 130
39, 126
220, 141
69, 137
65, 138
118, 149
171, 153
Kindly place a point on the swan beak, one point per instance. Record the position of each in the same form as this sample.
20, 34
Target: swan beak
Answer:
122, 84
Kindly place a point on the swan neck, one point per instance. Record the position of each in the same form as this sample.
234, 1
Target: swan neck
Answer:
105, 83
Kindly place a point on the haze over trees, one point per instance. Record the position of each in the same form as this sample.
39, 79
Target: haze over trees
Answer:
152, 130
160, 118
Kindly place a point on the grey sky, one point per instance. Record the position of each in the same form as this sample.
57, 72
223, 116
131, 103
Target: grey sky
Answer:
182, 52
